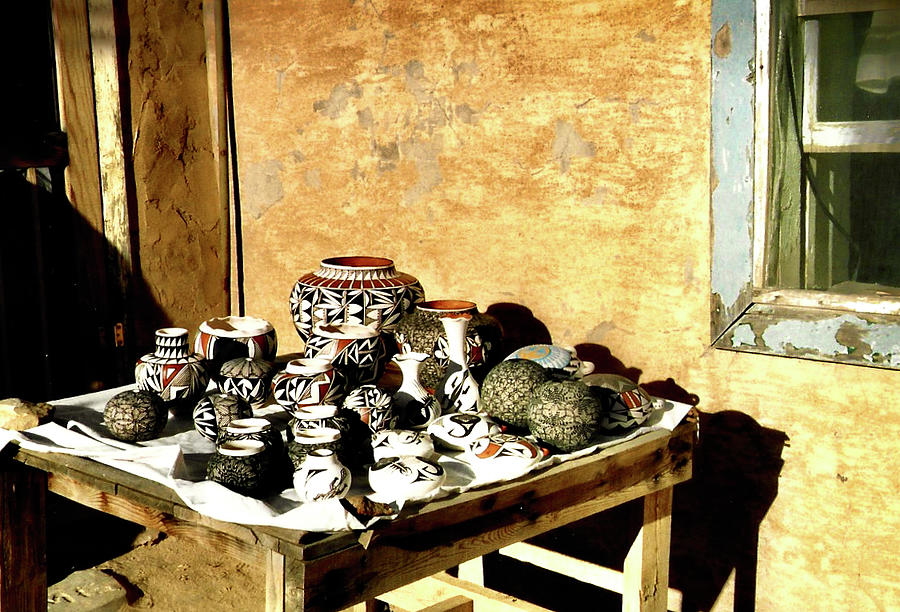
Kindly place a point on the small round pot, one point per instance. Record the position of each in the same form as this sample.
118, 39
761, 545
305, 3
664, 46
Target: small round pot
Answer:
373, 405
223, 338
457, 430
215, 411
321, 477
406, 478
135, 416
400, 443
306, 441
244, 466
246, 377
308, 382
358, 351
172, 371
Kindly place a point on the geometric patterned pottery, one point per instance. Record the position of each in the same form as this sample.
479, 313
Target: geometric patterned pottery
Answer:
261, 430
421, 331
321, 476
308, 440
502, 455
244, 466
414, 405
457, 391
405, 478
307, 418
222, 338
627, 404
247, 378
555, 357
358, 290
358, 351
307, 382
178, 376
373, 406
508, 387
215, 411
456, 431
134, 416
400, 443
565, 414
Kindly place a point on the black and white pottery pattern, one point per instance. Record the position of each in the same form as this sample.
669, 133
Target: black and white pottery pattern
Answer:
321, 477
565, 414
359, 290
178, 376
247, 378
308, 382
373, 406
456, 431
135, 416
215, 411
400, 443
405, 478
627, 404
414, 405
223, 338
306, 441
458, 390
507, 389
358, 351
502, 455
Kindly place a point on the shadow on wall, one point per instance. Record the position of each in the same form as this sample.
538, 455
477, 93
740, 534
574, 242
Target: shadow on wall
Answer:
58, 308
715, 523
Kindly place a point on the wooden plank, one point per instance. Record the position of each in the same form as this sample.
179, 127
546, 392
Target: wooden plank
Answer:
274, 582
111, 140
579, 569
442, 587
23, 543
457, 603
806, 8
646, 584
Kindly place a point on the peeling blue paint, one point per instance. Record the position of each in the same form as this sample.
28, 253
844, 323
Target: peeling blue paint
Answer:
819, 336
743, 335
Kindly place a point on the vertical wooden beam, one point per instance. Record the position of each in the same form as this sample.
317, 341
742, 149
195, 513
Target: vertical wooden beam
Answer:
274, 581
23, 538
215, 26
646, 585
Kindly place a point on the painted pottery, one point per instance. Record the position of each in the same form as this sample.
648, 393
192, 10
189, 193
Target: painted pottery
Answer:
414, 405
244, 466
559, 357
215, 411
508, 387
253, 428
456, 431
355, 434
373, 406
321, 477
359, 290
458, 390
627, 405
565, 414
502, 455
400, 443
135, 416
358, 351
404, 478
172, 371
223, 338
421, 331
306, 441
315, 417
307, 382
246, 377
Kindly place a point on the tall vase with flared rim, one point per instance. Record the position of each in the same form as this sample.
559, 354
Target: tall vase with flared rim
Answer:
458, 390
415, 405
172, 371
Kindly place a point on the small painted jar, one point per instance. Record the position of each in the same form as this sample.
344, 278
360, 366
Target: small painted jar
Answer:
321, 477
247, 378
307, 382
405, 478
215, 411
308, 440
457, 430
244, 466
373, 405
358, 351
223, 338
172, 371
627, 404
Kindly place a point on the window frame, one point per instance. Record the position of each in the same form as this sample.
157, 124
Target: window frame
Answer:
745, 315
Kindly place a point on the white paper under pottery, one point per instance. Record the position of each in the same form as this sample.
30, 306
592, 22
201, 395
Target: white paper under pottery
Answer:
405, 478
400, 443
457, 430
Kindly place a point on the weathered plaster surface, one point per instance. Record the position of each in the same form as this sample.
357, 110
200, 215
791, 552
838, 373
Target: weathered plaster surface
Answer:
612, 254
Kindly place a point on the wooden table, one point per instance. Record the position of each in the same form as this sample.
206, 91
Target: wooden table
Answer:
316, 571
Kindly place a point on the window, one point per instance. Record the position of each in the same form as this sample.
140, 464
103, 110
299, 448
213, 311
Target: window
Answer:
806, 179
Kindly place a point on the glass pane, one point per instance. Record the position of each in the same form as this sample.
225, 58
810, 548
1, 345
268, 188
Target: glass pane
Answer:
853, 220
859, 66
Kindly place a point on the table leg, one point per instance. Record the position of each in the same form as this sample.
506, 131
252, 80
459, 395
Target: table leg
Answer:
647, 563
274, 582
23, 538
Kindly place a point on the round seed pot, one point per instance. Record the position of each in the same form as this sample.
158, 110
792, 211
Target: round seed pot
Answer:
135, 416
565, 414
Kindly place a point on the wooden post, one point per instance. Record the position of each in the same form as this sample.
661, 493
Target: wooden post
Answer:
274, 582
646, 585
23, 538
